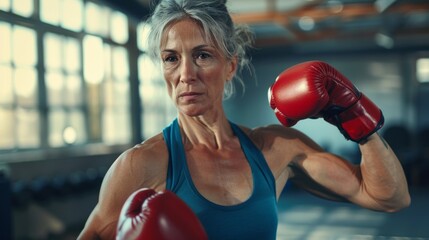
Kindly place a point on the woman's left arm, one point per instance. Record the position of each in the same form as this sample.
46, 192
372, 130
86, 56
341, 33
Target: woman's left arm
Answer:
383, 178
377, 183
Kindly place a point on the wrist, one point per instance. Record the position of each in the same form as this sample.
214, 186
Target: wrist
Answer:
360, 120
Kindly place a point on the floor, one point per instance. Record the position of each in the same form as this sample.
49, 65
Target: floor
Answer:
303, 216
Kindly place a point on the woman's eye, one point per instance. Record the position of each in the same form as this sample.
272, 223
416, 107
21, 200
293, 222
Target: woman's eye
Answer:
203, 55
170, 59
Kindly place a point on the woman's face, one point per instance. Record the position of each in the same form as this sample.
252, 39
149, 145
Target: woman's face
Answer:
195, 71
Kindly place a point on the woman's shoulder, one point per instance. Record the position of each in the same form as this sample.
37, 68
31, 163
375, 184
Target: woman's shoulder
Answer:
150, 155
265, 136
153, 145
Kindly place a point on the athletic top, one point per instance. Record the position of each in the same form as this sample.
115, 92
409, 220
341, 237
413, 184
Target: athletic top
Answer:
255, 218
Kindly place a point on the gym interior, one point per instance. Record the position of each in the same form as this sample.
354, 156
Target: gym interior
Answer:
78, 89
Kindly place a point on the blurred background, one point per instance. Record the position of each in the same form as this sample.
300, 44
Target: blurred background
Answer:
77, 89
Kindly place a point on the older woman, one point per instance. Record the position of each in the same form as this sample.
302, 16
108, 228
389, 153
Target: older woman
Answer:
229, 175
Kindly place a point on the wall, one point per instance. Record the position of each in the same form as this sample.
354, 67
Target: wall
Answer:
379, 76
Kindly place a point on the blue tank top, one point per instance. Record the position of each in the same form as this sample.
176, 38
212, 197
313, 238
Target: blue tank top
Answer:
255, 218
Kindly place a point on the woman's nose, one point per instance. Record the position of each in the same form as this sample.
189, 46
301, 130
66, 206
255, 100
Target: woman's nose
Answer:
188, 70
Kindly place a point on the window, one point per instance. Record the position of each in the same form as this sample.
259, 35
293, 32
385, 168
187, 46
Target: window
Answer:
106, 74
116, 92
79, 91
64, 90
19, 92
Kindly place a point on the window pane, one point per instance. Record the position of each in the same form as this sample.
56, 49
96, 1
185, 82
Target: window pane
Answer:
25, 80
74, 91
77, 123
109, 126
109, 97
57, 120
92, 16
94, 111
5, 43
142, 34
152, 124
52, 49
54, 87
50, 11
66, 128
116, 94
72, 55
105, 19
108, 60
120, 63
123, 93
7, 127
24, 8
119, 27
6, 83
124, 130
28, 128
149, 95
116, 126
423, 70
149, 73
93, 59
150, 80
5, 5
24, 46
72, 14
96, 18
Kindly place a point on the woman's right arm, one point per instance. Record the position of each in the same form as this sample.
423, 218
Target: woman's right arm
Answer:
142, 166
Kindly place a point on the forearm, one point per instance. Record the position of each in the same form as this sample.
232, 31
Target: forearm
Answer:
383, 178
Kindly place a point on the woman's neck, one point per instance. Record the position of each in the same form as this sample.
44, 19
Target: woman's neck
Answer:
210, 132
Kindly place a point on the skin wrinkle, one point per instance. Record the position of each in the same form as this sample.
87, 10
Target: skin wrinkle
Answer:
384, 196
345, 190
107, 227
189, 82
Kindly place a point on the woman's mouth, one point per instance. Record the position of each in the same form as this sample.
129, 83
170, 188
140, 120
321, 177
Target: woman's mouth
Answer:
189, 96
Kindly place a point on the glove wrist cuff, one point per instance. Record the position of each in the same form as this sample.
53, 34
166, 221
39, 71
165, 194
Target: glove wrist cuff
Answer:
361, 120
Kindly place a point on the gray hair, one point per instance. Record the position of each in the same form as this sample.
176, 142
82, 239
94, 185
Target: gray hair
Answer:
233, 40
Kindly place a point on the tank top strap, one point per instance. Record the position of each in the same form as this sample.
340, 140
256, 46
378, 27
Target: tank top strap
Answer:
175, 171
255, 156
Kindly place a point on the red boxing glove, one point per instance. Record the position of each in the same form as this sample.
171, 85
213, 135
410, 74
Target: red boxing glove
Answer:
154, 215
315, 89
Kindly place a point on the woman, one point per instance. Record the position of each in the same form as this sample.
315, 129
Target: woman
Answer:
231, 176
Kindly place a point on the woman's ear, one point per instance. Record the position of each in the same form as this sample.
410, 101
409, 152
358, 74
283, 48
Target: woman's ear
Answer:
232, 68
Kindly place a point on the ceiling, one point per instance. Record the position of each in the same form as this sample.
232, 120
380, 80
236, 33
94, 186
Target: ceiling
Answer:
329, 25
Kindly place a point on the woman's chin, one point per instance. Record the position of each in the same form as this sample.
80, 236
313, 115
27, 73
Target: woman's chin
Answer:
193, 111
